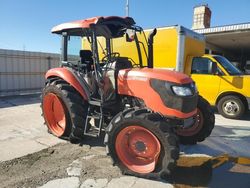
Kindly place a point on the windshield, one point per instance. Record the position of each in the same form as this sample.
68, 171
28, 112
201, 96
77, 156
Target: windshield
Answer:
132, 45
230, 68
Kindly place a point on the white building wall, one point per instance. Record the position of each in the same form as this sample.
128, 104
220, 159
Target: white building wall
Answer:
22, 72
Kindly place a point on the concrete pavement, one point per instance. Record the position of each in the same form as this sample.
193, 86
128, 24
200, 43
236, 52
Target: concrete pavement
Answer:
125, 181
21, 128
22, 132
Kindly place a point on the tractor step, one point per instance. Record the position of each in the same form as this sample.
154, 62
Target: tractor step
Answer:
95, 130
94, 116
95, 102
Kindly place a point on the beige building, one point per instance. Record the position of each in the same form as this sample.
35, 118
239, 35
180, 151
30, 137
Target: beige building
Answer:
231, 41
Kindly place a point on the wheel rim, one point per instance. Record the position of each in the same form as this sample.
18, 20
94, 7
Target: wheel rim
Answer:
138, 149
231, 108
197, 126
54, 114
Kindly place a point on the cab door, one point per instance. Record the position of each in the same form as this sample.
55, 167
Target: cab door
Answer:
208, 84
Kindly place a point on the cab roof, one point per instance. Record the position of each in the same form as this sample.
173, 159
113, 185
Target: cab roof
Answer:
110, 27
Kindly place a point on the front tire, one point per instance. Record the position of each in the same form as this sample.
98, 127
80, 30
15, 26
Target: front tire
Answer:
64, 110
231, 107
142, 144
203, 126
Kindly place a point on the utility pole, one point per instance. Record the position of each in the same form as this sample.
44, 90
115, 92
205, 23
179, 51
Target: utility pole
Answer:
127, 8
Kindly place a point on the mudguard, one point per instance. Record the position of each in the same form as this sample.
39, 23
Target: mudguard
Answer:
69, 77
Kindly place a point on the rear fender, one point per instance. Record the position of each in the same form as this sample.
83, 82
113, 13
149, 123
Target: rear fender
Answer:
69, 77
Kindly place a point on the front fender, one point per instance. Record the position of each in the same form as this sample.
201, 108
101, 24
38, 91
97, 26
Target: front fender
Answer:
69, 77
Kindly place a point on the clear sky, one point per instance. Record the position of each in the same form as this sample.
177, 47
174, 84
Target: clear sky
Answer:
26, 24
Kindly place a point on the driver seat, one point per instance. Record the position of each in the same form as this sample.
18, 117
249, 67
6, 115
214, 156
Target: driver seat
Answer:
86, 58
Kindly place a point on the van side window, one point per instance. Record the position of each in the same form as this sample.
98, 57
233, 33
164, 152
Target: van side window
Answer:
201, 66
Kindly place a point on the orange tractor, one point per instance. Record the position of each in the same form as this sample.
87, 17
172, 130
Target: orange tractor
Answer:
143, 111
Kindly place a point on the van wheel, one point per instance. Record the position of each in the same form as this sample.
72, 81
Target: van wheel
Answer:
231, 107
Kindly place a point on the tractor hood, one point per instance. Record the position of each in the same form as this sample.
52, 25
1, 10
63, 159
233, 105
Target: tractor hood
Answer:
139, 83
145, 74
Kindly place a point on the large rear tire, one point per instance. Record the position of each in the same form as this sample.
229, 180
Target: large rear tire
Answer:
64, 110
142, 144
203, 126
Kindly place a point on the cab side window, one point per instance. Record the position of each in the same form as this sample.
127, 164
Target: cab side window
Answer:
74, 46
201, 66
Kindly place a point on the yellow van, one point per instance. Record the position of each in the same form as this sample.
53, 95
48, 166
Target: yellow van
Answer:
221, 83
218, 80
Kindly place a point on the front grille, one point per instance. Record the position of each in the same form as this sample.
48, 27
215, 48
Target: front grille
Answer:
171, 100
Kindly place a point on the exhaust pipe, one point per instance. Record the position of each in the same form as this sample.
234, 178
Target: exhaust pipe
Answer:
151, 49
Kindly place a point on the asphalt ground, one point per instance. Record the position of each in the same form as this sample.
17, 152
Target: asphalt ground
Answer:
24, 139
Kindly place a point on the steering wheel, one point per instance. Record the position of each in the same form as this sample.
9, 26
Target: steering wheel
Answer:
113, 56
136, 65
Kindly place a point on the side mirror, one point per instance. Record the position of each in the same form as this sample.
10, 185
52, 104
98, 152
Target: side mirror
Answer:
130, 35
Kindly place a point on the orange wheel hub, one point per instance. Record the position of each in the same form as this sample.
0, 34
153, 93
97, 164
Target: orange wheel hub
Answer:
54, 114
138, 149
199, 120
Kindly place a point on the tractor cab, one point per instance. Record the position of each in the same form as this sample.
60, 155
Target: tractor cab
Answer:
99, 63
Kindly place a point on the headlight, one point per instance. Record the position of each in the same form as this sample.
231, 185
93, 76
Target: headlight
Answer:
182, 91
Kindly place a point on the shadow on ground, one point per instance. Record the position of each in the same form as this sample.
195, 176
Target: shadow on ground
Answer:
246, 116
6, 102
210, 172
230, 140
